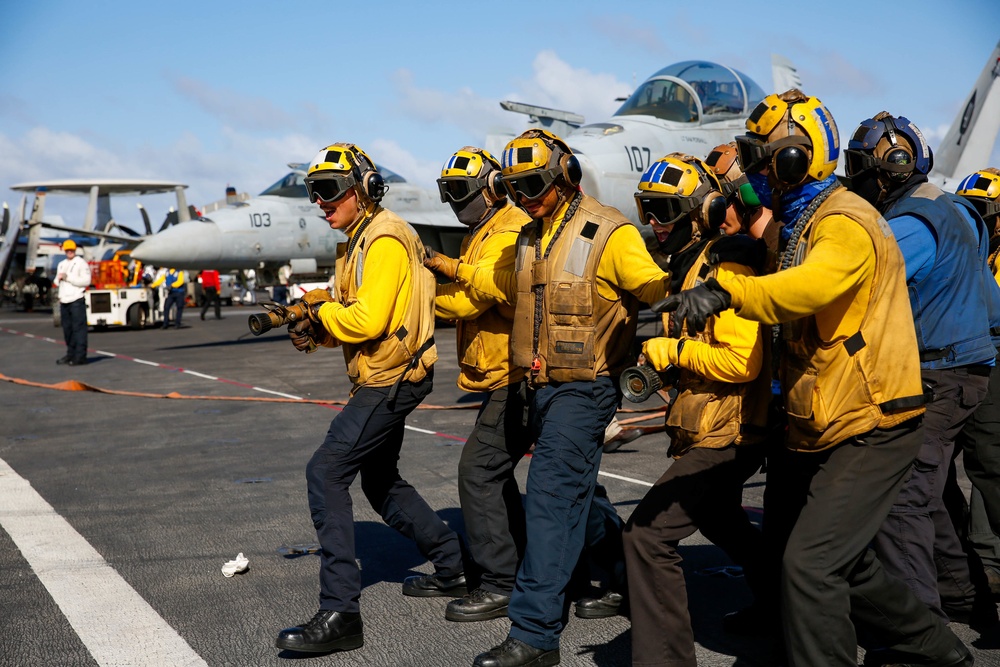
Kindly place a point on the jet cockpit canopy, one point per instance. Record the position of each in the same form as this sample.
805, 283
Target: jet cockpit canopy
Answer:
694, 91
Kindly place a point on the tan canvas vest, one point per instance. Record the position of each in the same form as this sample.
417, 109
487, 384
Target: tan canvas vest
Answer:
840, 388
710, 413
581, 334
484, 342
381, 361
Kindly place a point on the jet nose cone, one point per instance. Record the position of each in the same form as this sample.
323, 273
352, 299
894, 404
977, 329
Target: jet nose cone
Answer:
186, 245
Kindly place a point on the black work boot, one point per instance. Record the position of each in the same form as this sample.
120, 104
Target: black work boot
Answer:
514, 653
608, 605
435, 586
326, 631
479, 605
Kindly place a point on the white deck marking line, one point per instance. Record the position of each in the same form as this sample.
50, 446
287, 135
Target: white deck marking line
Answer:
106, 354
624, 479
277, 393
422, 430
148, 363
201, 375
93, 597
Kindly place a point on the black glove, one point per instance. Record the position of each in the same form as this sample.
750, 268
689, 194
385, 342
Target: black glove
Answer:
695, 305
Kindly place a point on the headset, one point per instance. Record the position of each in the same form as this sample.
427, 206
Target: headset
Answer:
371, 182
569, 165
712, 212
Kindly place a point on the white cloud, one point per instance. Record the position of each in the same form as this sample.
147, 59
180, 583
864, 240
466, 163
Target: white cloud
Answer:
554, 83
415, 170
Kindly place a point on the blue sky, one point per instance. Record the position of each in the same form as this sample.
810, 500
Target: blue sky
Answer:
219, 93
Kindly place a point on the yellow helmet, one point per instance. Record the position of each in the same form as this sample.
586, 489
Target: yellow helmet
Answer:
983, 190
532, 162
468, 172
339, 167
679, 185
68, 244
793, 135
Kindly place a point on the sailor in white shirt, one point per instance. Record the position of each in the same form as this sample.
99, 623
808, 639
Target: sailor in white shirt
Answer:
72, 279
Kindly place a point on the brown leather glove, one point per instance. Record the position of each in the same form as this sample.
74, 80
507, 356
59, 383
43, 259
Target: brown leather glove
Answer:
441, 264
301, 335
316, 298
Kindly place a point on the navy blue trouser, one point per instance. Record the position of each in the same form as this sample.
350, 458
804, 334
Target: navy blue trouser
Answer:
174, 298
917, 543
73, 316
366, 438
568, 420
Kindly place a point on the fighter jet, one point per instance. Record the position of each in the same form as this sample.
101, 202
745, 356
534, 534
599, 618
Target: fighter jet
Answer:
280, 226
693, 106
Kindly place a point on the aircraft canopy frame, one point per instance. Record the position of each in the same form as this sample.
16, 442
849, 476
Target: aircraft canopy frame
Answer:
694, 91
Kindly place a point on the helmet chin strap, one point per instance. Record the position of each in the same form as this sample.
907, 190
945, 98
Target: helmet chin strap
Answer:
363, 210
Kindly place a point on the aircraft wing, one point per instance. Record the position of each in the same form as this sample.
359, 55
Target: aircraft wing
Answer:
969, 142
130, 240
784, 73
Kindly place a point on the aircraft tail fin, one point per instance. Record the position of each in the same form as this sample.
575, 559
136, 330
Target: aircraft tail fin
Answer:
784, 74
969, 142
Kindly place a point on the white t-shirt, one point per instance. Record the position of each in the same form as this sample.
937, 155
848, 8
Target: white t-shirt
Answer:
77, 278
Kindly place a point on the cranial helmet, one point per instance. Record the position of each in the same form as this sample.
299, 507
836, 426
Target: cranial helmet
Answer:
677, 186
892, 145
793, 136
983, 190
468, 172
69, 244
532, 162
339, 167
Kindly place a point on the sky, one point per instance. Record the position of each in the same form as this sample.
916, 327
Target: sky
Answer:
220, 93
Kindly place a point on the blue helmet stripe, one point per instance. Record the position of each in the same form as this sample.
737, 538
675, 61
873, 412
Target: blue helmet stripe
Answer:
831, 139
967, 182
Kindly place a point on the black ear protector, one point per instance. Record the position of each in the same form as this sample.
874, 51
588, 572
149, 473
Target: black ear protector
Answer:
712, 212
790, 165
790, 162
495, 189
373, 184
570, 168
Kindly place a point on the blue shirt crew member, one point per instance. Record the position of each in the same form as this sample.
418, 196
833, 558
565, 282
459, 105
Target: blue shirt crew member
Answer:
888, 161
176, 293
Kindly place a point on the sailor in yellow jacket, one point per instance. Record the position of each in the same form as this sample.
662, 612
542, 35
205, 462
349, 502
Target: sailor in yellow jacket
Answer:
491, 501
383, 318
580, 271
850, 376
716, 423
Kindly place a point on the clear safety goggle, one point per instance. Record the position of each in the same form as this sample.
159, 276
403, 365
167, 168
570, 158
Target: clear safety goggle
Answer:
329, 188
664, 210
530, 185
459, 188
